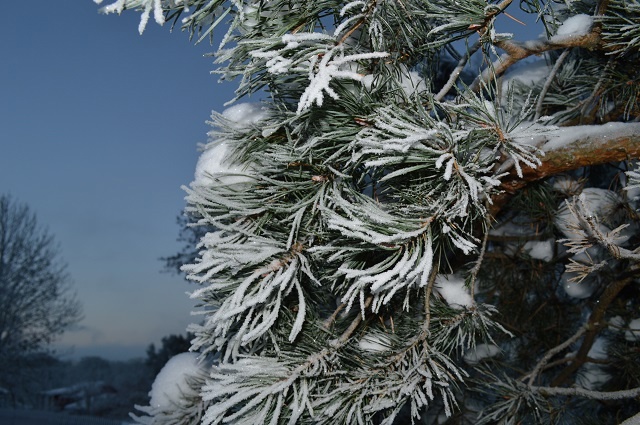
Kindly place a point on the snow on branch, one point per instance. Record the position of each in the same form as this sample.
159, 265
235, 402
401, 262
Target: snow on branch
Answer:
408, 244
393, 132
147, 6
582, 392
402, 144
253, 389
321, 56
416, 375
569, 148
516, 51
252, 303
323, 69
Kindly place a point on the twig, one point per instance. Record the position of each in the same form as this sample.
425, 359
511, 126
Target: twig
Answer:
552, 352
329, 321
427, 296
597, 91
456, 72
595, 324
476, 268
352, 327
357, 25
547, 84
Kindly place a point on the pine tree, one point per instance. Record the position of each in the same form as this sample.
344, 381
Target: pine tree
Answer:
425, 220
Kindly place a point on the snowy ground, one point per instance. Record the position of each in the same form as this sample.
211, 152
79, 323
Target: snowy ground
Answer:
35, 417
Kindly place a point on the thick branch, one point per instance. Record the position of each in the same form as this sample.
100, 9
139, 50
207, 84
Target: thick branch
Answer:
600, 148
634, 420
515, 51
595, 324
594, 395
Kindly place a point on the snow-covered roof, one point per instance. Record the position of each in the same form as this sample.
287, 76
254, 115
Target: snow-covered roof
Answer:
72, 389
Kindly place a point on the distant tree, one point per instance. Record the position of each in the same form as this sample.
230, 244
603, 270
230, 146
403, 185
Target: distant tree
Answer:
92, 369
36, 300
171, 345
189, 236
27, 376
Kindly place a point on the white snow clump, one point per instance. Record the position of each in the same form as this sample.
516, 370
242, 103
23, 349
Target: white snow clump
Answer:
575, 26
245, 115
580, 290
171, 385
528, 73
213, 165
567, 185
592, 375
633, 333
375, 343
540, 250
615, 323
453, 290
410, 82
480, 352
601, 202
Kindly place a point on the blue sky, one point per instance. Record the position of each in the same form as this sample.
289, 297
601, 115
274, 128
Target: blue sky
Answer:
99, 128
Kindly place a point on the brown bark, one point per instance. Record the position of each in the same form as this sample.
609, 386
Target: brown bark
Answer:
581, 153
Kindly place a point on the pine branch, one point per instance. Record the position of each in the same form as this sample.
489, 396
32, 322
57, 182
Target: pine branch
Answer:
331, 319
427, 295
483, 248
589, 224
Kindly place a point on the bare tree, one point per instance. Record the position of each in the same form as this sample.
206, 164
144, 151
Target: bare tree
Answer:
36, 299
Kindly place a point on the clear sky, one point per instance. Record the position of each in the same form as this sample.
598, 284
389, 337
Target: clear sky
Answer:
99, 128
